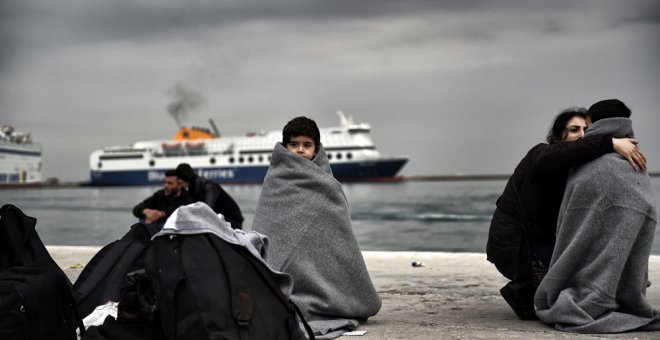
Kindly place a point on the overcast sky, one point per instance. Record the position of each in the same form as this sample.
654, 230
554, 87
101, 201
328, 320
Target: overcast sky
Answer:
459, 86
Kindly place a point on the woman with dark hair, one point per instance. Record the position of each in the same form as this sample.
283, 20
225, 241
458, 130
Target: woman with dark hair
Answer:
523, 226
560, 129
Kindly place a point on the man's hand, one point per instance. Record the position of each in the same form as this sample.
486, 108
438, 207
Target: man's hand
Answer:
627, 148
152, 215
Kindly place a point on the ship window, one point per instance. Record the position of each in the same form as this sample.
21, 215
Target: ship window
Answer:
358, 130
133, 156
152, 163
250, 159
100, 165
231, 160
261, 158
241, 159
338, 156
212, 160
349, 155
329, 156
269, 158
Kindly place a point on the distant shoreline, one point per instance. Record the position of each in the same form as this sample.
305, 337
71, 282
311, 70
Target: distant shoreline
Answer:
414, 178
434, 178
460, 177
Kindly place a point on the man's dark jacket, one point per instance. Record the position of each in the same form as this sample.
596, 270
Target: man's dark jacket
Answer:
204, 190
539, 180
159, 201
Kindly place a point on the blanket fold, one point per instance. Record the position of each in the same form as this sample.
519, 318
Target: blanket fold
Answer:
303, 211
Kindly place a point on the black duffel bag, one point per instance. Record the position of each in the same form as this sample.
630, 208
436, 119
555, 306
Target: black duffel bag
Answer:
36, 300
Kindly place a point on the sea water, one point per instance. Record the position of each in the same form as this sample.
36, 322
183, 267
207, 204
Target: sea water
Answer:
406, 216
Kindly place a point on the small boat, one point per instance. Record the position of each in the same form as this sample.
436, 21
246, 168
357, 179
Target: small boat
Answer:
239, 159
20, 159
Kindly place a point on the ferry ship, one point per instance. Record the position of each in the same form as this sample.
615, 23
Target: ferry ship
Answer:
20, 159
239, 159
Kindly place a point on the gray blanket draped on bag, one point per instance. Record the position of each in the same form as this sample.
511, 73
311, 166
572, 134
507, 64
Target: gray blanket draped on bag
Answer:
199, 218
599, 270
303, 211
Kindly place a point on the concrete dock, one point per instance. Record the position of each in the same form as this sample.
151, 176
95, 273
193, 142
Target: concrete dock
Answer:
453, 296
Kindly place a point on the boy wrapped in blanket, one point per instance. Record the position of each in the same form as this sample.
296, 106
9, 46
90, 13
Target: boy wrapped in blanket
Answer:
303, 211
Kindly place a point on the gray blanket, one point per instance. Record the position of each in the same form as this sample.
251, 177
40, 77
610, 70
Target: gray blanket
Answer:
199, 218
599, 270
303, 210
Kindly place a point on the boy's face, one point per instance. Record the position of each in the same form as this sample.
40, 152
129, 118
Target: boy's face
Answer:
303, 146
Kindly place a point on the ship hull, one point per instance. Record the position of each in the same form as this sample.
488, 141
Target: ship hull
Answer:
366, 171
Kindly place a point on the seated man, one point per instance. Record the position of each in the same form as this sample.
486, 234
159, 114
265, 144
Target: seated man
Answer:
159, 206
303, 211
598, 273
204, 190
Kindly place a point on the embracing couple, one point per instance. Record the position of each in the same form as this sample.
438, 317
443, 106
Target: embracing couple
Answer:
574, 226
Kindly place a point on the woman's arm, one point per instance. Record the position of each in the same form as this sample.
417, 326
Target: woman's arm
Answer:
552, 159
555, 158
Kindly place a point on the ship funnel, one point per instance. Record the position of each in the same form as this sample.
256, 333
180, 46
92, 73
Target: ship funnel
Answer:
343, 119
216, 132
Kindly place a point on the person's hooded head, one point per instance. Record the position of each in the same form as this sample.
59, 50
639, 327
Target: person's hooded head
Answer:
185, 173
609, 108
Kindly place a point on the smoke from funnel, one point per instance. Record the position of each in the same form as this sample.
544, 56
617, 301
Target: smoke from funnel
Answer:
185, 101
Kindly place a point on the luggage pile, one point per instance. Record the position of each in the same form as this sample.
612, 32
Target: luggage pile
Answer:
193, 284
161, 285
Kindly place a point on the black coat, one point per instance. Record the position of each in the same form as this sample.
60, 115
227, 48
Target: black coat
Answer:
159, 201
539, 179
211, 193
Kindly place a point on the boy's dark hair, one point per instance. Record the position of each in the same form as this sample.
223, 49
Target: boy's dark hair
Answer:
170, 173
609, 108
185, 172
558, 131
301, 126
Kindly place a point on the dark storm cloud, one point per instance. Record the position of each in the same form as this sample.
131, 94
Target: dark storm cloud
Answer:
650, 14
108, 20
42, 24
8, 19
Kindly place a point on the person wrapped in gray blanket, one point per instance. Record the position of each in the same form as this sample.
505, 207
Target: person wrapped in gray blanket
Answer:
599, 269
303, 211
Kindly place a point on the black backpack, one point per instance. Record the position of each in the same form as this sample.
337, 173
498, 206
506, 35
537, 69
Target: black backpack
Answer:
207, 288
104, 274
36, 300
